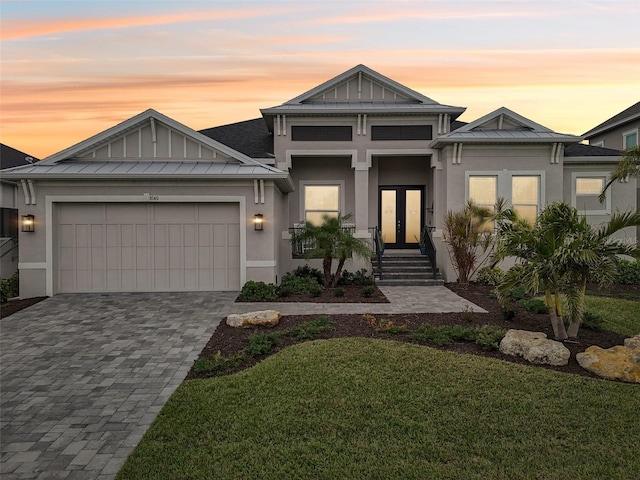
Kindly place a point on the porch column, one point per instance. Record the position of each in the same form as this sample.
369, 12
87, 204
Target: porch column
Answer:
361, 180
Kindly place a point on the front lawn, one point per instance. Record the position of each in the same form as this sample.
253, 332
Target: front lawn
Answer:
367, 408
619, 315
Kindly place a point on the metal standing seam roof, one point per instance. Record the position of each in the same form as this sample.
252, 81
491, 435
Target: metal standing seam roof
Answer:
149, 169
365, 107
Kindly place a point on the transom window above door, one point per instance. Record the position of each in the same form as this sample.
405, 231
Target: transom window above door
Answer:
321, 200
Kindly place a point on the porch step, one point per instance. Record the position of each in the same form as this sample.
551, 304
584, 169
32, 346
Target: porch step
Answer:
406, 269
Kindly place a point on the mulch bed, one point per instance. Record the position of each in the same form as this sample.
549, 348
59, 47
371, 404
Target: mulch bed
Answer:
340, 294
228, 341
14, 306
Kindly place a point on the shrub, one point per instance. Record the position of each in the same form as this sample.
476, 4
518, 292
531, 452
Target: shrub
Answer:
316, 290
308, 272
339, 292
490, 275
309, 330
384, 324
363, 277
217, 364
293, 285
368, 290
534, 305
467, 314
628, 272
262, 343
489, 337
508, 313
444, 334
517, 293
9, 288
628, 296
592, 321
258, 292
347, 278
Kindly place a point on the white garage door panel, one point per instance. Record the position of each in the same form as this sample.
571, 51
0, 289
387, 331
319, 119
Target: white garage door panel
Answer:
148, 247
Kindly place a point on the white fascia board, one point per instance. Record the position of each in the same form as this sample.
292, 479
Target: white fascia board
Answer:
441, 141
592, 159
619, 123
508, 113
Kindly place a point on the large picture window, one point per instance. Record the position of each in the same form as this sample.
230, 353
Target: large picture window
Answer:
321, 200
585, 190
483, 192
525, 196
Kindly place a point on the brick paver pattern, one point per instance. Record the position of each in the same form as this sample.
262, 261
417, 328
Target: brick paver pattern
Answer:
82, 377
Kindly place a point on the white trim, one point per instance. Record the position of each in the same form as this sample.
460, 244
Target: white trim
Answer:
597, 144
628, 133
574, 200
261, 263
32, 266
144, 198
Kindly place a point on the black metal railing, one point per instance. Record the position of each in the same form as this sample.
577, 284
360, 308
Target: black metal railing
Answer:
430, 247
377, 249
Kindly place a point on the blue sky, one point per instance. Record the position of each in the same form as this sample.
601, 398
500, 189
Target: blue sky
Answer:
73, 68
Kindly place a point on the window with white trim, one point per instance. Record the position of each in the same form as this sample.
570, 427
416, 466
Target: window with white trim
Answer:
630, 139
522, 190
321, 200
586, 187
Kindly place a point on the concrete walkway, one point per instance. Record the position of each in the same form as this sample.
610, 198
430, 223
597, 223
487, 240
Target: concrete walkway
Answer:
83, 376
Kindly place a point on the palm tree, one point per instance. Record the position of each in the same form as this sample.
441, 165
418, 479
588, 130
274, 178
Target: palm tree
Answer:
629, 166
331, 239
559, 255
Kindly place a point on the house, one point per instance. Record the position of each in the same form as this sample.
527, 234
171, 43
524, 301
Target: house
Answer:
10, 157
618, 132
153, 205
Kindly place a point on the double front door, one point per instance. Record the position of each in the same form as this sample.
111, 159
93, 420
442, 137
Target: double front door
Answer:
401, 215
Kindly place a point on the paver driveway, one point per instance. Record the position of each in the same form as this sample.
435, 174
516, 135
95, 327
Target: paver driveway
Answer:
83, 376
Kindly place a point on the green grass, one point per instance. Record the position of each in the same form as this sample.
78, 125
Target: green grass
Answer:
372, 409
620, 316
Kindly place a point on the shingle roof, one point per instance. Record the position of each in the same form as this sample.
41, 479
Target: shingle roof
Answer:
10, 157
582, 150
251, 137
621, 118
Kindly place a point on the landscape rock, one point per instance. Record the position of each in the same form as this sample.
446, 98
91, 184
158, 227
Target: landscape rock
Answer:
264, 318
633, 342
534, 347
615, 363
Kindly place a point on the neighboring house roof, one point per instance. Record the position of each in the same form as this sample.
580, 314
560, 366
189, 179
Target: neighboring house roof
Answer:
76, 162
627, 115
398, 99
10, 157
582, 150
251, 137
503, 126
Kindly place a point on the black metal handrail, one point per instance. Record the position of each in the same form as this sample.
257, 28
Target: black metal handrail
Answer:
430, 247
377, 246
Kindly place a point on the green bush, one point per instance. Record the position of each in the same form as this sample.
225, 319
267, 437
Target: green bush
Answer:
508, 313
361, 277
489, 337
368, 290
309, 330
9, 288
517, 293
339, 292
534, 305
308, 272
295, 285
628, 272
592, 321
628, 296
258, 292
490, 276
443, 334
262, 343
347, 278
316, 290
217, 364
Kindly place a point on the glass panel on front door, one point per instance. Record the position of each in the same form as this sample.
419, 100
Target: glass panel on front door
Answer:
401, 216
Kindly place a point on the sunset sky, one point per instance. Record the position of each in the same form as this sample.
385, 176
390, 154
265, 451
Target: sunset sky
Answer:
70, 69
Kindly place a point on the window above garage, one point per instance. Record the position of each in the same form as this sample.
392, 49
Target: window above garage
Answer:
321, 133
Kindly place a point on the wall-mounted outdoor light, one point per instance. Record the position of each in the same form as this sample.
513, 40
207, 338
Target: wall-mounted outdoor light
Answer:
28, 223
258, 222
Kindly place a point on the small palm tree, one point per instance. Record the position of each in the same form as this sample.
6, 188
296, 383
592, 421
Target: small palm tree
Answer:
629, 166
332, 240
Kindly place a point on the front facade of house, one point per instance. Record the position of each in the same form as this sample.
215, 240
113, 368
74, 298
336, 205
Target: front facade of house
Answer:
152, 205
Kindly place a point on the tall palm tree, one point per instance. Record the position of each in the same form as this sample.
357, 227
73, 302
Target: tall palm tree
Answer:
629, 166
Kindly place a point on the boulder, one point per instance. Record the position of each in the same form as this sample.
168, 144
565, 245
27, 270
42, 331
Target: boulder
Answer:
534, 347
616, 363
264, 318
633, 342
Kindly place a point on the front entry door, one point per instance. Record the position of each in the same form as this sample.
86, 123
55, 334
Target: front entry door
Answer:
401, 215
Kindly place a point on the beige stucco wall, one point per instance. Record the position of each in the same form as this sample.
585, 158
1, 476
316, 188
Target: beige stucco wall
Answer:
260, 246
613, 138
8, 194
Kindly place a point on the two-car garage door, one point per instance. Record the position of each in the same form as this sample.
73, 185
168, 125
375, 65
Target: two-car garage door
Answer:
146, 247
